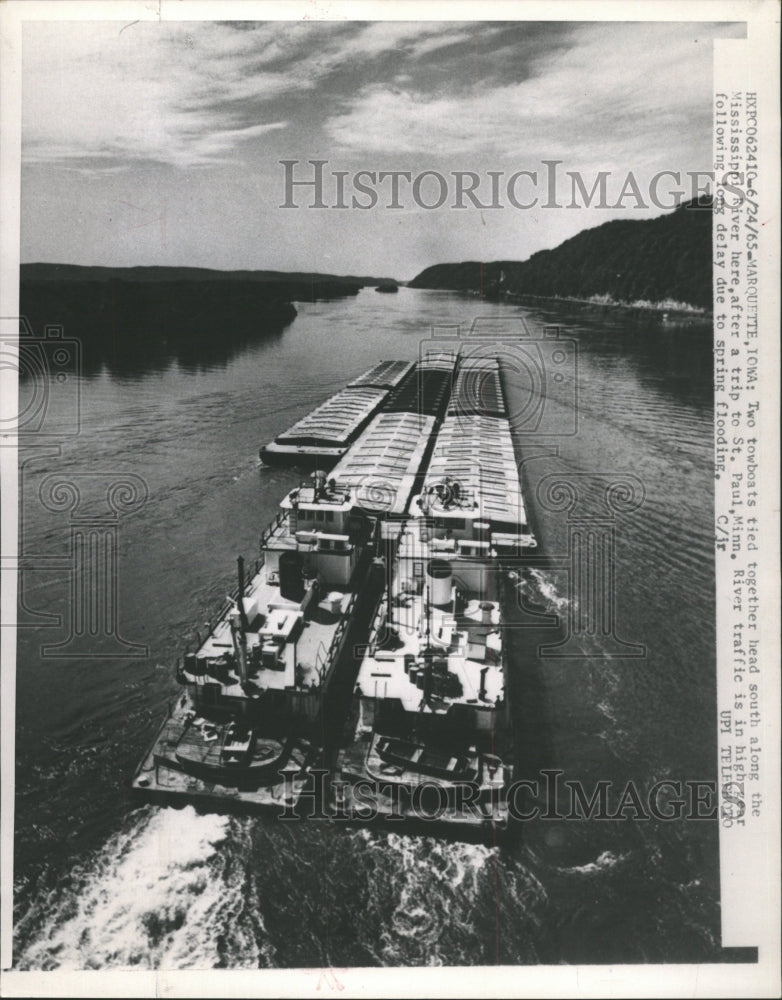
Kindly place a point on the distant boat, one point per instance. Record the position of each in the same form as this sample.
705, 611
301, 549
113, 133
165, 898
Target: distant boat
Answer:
387, 286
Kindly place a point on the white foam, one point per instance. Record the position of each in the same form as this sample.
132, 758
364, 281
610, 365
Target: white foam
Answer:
604, 862
429, 877
448, 862
541, 585
157, 896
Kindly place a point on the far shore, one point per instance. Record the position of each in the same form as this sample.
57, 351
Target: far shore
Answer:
678, 312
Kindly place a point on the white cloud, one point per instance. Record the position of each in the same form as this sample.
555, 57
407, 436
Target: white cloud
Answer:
414, 38
112, 110
146, 93
185, 94
618, 90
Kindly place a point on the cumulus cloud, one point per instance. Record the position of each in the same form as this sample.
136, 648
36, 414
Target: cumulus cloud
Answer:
113, 115
188, 94
143, 94
613, 90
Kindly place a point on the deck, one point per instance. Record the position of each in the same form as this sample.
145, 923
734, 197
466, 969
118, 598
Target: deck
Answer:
337, 420
383, 464
383, 672
384, 375
162, 776
303, 658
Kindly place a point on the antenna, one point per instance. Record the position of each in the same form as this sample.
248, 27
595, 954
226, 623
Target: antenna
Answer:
240, 600
389, 573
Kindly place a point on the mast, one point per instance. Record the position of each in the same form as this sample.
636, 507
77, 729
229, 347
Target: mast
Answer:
242, 612
389, 575
239, 637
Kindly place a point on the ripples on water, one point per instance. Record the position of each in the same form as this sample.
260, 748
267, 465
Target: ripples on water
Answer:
103, 884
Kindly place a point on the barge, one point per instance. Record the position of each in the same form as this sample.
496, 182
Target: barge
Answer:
323, 436
368, 644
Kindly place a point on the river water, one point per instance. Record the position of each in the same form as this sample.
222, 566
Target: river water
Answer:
102, 882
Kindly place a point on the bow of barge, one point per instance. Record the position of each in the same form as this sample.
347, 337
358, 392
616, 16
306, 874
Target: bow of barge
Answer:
323, 436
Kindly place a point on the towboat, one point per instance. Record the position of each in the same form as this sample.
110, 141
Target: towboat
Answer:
247, 724
431, 720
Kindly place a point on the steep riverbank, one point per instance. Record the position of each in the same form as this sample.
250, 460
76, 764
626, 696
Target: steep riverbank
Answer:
644, 263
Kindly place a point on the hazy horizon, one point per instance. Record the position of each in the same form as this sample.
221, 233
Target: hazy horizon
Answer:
365, 273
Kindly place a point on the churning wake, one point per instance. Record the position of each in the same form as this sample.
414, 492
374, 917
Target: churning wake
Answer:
163, 894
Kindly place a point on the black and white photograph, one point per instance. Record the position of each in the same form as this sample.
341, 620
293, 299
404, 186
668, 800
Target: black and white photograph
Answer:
389, 473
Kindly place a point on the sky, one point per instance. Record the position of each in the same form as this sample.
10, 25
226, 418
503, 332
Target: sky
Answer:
161, 142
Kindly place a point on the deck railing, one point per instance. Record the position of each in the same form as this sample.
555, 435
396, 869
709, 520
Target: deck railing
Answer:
271, 528
336, 640
232, 600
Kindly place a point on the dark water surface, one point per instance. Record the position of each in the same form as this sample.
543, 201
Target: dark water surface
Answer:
102, 882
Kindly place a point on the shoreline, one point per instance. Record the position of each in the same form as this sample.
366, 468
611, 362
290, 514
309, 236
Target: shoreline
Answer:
651, 310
